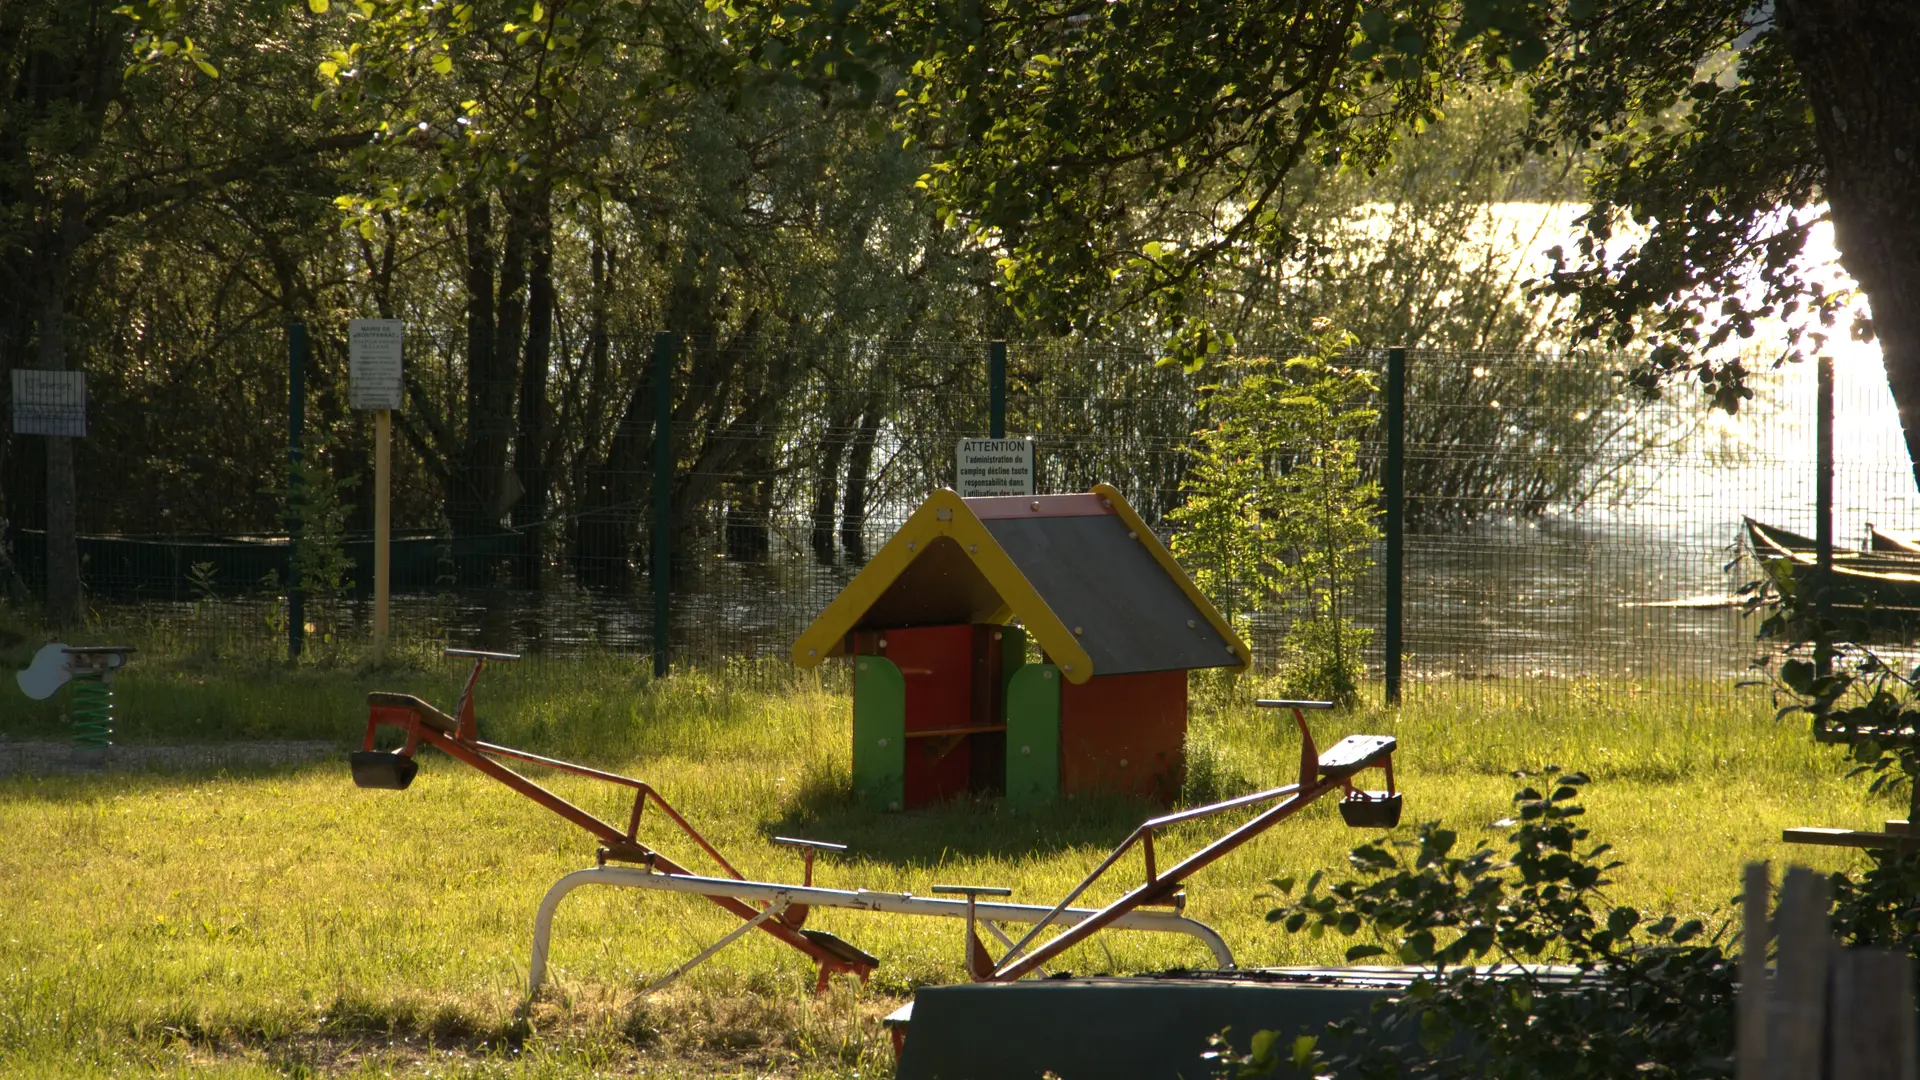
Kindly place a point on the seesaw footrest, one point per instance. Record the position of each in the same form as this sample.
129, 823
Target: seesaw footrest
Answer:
380, 769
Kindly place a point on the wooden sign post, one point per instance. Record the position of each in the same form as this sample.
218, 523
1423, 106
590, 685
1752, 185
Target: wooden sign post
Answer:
374, 358
382, 529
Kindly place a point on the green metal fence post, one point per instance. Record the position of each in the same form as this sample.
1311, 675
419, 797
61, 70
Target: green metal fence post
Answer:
299, 349
665, 345
1393, 483
996, 390
1823, 494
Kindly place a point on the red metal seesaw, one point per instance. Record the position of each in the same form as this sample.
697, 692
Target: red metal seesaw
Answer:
780, 909
458, 737
1320, 774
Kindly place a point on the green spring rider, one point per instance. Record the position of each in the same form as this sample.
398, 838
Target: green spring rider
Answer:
91, 670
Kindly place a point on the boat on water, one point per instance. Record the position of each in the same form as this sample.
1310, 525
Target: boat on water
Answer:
1892, 543
1880, 585
1879, 543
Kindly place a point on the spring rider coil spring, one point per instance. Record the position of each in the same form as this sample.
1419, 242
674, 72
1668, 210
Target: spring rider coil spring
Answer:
92, 711
91, 669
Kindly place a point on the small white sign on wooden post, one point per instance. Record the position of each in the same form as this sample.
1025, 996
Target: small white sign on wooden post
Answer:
373, 378
987, 467
49, 403
373, 363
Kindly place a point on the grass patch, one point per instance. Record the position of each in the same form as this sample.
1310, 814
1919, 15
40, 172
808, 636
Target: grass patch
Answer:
280, 922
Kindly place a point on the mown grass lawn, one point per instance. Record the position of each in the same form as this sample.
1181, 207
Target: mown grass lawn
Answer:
280, 922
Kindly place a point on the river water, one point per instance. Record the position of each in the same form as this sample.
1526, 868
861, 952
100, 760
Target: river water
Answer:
1644, 582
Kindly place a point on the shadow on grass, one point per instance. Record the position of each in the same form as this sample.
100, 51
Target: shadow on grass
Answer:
173, 702
136, 770
823, 808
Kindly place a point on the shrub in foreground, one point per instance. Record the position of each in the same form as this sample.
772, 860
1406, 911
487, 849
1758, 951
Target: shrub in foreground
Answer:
1625, 995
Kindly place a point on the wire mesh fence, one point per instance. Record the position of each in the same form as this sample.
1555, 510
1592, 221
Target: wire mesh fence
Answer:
1561, 532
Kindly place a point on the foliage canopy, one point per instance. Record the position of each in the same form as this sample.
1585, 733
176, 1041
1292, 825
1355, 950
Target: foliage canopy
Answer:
1136, 146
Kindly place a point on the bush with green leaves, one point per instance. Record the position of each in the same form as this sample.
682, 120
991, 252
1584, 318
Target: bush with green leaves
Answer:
1633, 996
1277, 507
316, 500
1530, 972
1862, 698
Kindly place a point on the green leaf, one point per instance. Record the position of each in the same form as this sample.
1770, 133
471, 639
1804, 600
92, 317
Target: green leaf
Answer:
1262, 1045
1373, 23
318, 7
443, 64
1622, 920
1526, 54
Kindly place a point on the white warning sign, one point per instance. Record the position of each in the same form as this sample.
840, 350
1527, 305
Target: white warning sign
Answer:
987, 467
373, 363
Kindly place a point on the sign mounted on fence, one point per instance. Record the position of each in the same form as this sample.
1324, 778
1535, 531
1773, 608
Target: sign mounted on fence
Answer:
49, 403
986, 467
373, 362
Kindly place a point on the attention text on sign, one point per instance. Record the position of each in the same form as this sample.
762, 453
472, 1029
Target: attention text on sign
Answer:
987, 467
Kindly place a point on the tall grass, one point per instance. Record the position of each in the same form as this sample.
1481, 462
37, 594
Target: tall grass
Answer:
280, 922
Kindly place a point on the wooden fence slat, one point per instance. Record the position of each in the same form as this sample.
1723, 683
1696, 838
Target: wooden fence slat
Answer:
1796, 1010
1751, 1057
1872, 1019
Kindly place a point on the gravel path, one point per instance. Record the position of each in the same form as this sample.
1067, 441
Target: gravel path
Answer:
34, 757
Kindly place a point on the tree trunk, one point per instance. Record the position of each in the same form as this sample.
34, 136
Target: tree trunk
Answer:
510, 314
600, 543
466, 502
67, 77
611, 502
599, 374
65, 606
1856, 65
853, 511
496, 310
531, 442
826, 487
19, 458
748, 528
